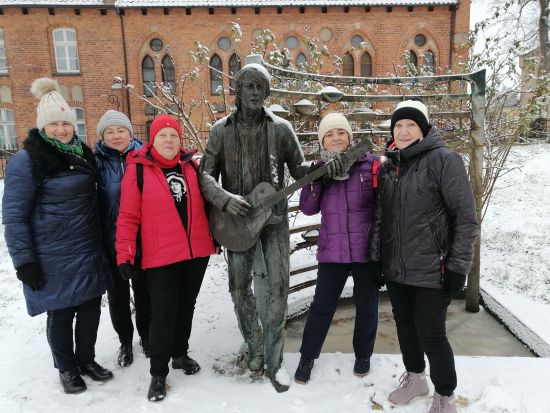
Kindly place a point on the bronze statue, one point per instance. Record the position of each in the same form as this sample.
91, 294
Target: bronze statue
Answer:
246, 148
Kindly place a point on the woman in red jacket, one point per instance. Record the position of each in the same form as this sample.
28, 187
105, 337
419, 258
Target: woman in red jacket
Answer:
160, 197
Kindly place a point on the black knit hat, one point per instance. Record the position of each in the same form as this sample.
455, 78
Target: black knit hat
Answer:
413, 110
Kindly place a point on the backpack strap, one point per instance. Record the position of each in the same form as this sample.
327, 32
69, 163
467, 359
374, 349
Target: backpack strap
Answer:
139, 176
375, 168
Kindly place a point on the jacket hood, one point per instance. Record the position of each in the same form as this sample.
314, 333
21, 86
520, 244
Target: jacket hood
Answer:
102, 149
431, 141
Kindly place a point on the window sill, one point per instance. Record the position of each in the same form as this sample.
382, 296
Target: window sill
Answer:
66, 74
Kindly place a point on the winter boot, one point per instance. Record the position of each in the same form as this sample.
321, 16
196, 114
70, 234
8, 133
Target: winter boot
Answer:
144, 342
187, 364
256, 361
125, 354
280, 380
361, 367
96, 372
71, 381
157, 389
411, 386
303, 372
443, 404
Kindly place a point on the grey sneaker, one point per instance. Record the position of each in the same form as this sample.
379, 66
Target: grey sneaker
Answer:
443, 404
411, 386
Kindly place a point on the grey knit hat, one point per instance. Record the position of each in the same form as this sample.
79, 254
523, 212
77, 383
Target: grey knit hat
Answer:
113, 118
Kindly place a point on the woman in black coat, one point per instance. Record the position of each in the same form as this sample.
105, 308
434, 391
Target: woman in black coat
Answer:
49, 210
424, 234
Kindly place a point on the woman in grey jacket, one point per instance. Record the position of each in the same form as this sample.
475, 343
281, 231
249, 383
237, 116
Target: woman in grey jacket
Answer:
426, 215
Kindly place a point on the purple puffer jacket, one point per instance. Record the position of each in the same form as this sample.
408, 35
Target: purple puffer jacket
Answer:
347, 213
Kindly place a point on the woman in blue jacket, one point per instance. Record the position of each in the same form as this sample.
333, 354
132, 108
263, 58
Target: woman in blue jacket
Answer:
49, 210
115, 130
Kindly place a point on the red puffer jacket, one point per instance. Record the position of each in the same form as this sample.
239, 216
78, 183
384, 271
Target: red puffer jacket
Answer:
163, 236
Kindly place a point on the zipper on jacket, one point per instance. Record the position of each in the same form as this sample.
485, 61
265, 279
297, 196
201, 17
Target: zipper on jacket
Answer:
442, 252
396, 208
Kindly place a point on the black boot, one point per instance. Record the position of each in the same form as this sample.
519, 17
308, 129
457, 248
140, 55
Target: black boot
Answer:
71, 381
144, 342
125, 355
96, 372
157, 389
303, 372
361, 367
187, 364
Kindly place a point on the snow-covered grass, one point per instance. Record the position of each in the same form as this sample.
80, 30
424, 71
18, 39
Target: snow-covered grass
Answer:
515, 268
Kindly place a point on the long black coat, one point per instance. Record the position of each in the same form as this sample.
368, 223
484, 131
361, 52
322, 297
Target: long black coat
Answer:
49, 210
426, 218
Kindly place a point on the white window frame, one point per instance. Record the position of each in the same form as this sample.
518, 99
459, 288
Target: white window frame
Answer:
8, 127
3, 59
72, 64
80, 124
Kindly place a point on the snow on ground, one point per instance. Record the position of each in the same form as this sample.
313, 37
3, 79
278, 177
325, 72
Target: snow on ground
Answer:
515, 269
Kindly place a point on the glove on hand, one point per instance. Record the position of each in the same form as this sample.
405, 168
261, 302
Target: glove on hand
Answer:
237, 205
127, 271
453, 282
376, 268
335, 167
31, 275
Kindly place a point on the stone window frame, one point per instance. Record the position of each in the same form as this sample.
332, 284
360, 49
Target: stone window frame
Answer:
430, 46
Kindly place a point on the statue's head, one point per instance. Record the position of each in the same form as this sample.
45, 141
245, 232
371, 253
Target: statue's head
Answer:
252, 86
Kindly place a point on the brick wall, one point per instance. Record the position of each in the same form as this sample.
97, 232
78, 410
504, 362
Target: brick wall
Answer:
30, 54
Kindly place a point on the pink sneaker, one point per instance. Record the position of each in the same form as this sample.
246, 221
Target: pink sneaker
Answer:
411, 386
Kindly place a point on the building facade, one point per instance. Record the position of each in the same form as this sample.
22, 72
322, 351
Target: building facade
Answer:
88, 44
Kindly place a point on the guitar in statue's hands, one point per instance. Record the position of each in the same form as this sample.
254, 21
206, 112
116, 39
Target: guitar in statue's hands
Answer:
238, 232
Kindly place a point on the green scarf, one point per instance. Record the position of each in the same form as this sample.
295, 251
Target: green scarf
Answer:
75, 146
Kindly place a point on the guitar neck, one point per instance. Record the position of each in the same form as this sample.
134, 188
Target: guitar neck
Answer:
350, 156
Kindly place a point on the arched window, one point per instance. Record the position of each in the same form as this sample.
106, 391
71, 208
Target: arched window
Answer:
234, 67
8, 140
366, 65
301, 59
215, 75
413, 58
148, 74
66, 51
429, 62
168, 73
347, 65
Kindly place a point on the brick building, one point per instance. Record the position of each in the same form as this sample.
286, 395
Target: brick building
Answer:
85, 43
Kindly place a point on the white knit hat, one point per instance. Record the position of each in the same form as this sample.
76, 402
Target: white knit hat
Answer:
113, 118
51, 107
331, 121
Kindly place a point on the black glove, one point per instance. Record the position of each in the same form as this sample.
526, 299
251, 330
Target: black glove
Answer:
31, 275
335, 167
453, 282
376, 268
127, 271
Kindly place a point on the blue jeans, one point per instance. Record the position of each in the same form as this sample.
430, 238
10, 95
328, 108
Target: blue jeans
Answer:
331, 279
68, 354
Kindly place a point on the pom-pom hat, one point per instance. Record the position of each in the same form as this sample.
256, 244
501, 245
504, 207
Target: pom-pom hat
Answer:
413, 110
52, 107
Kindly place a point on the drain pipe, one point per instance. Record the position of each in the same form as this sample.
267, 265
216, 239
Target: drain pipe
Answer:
120, 13
452, 35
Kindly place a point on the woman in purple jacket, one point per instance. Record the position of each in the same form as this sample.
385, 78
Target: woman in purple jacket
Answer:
347, 214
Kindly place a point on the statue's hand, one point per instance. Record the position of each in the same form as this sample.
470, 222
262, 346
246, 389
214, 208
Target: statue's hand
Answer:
237, 205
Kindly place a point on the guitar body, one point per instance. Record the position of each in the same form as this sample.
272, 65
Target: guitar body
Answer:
238, 233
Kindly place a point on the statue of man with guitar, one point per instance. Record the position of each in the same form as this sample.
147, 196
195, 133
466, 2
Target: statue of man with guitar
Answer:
249, 150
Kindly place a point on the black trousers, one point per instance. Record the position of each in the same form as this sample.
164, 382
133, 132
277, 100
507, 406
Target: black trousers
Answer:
331, 279
420, 315
173, 290
119, 305
68, 354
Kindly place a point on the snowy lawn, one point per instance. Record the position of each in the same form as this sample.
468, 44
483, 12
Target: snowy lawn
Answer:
515, 268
